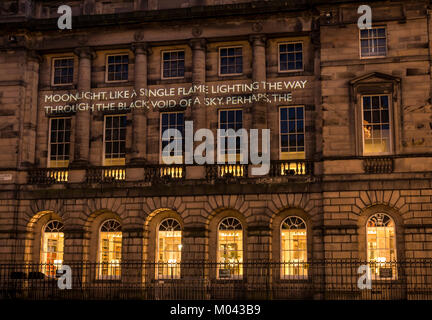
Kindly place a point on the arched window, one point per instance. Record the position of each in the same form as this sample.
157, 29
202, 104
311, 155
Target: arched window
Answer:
169, 248
293, 247
230, 248
52, 247
110, 244
381, 245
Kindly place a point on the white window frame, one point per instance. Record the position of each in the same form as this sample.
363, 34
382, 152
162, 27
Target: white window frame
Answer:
391, 151
49, 140
373, 57
106, 66
53, 71
278, 57
104, 140
220, 74
162, 63
304, 131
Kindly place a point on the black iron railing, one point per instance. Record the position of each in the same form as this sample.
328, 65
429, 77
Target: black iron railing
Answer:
336, 279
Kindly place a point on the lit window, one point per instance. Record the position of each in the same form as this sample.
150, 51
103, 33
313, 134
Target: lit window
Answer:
110, 245
115, 140
292, 133
52, 247
63, 70
373, 42
291, 56
173, 64
230, 248
376, 124
381, 246
293, 248
118, 67
59, 142
231, 119
231, 61
169, 249
173, 120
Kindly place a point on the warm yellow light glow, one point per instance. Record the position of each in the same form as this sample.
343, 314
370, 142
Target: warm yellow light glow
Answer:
230, 254
169, 253
110, 253
294, 250
52, 252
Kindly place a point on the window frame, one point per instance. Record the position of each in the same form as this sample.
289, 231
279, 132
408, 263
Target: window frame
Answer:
158, 250
278, 57
106, 66
104, 142
391, 151
220, 74
218, 257
160, 135
162, 64
238, 155
284, 276
286, 155
53, 59
386, 44
49, 143
43, 254
375, 276
99, 275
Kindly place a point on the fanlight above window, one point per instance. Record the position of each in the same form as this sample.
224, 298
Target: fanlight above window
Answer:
169, 225
230, 224
293, 223
111, 226
54, 226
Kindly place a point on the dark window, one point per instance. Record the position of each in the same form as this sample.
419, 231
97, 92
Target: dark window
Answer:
231, 61
118, 67
115, 137
60, 141
291, 56
173, 64
292, 131
173, 120
231, 119
373, 42
63, 71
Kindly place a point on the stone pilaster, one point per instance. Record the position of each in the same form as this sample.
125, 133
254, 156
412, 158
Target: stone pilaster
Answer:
82, 119
198, 112
259, 119
139, 115
29, 114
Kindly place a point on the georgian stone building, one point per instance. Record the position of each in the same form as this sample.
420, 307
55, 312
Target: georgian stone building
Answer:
351, 150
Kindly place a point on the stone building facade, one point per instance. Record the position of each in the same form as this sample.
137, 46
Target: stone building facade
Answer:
335, 184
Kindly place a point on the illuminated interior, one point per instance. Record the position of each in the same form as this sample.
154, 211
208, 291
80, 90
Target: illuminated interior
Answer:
110, 249
381, 246
230, 253
52, 248
169, 249
294, 248
376, 125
